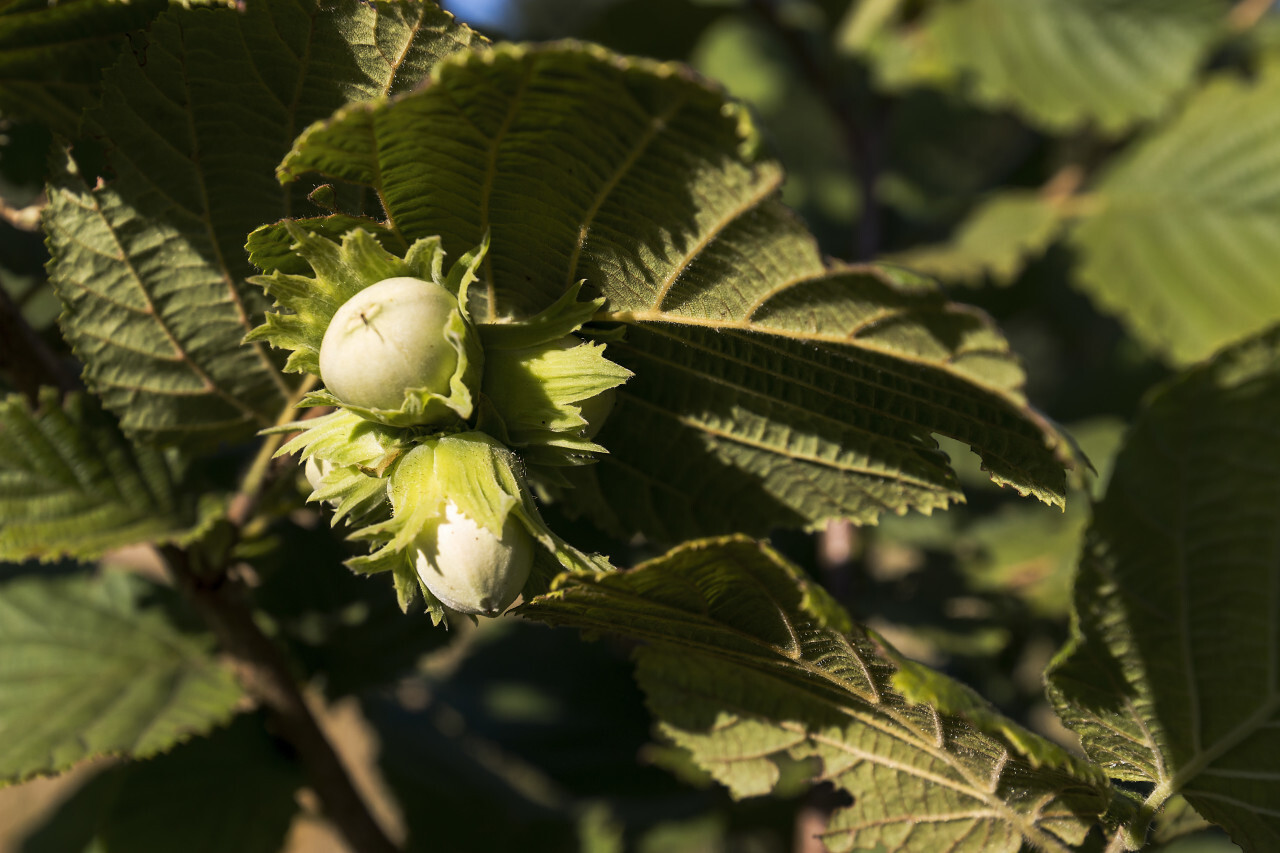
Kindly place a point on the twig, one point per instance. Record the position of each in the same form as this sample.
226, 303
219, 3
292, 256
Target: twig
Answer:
1246, 13
261, 473
265, 675
24, 218
262, 668
861, 126
30, 362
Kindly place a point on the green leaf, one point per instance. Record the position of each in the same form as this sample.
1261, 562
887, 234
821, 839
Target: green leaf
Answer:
1172, 675
151, 264
1061, 64
193, 799
996, 240
746, 664
806, 392
196, 799
72, 486
1184, 237
52, 54
89, 667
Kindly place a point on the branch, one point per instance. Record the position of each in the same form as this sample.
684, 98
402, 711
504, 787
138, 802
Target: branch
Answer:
1246, 13
861, 125
262, 668
25, 355
24, 218
262, 473
265, 675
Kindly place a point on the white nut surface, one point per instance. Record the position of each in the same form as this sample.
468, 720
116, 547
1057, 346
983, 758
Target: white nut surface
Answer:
473, 571
387, 339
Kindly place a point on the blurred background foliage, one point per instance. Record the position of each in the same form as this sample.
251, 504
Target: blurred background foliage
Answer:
1102, 177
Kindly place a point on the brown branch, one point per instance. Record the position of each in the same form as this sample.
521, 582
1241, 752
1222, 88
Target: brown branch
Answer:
262, 668
861, 124
24, 218
1246, 13
265, 674
24, 354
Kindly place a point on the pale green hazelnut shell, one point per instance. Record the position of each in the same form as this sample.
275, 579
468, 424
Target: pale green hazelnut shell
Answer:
387, 339
470, 569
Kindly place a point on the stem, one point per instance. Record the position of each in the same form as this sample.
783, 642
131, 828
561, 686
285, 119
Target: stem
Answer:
261, 666
1246, 13
260, 474
24, 218
861, 126
265, 675
31, 363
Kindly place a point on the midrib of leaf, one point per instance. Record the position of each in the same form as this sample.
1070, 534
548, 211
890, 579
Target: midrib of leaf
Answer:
898, 728
180, 351
259, 347
394, 66
486, 189
839, 340
657, 123
764, 190
1206, 756
698, 425
291, 112
1203, 756
763, 298
1169, 786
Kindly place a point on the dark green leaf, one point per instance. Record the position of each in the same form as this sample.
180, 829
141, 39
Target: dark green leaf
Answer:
72, 486
1173, 673
52, 54
151, 264
89, 668
231, 791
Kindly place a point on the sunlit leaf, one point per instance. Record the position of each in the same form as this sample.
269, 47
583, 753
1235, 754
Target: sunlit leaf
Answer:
1061, 64
746, 664
996, 240
804, 392
1183, 238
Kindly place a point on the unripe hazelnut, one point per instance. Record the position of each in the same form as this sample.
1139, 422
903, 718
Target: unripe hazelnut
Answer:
470, 569
387, 339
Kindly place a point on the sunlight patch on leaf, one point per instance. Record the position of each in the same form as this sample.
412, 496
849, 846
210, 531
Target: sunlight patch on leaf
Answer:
1182, 234
1060, 64
995, 241
747, 665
